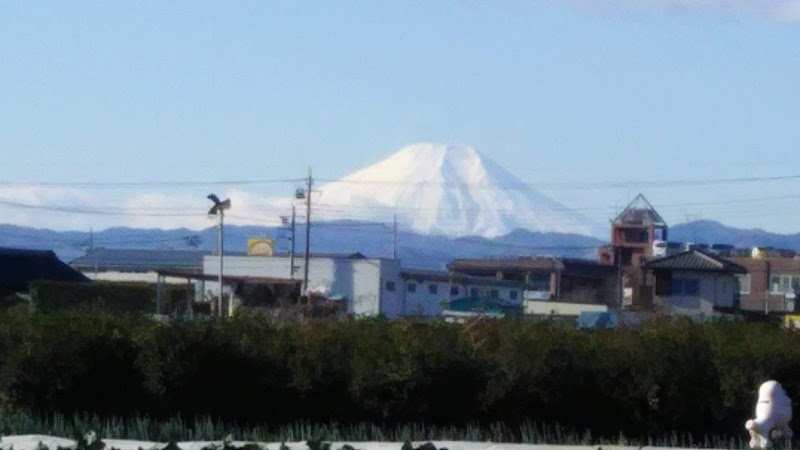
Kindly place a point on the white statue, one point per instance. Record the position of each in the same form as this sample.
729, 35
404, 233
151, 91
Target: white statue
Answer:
773, 414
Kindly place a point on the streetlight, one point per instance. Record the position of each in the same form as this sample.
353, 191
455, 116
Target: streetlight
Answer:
219, 210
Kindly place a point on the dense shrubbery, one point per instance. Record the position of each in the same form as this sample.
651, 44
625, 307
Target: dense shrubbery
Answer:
661, 376
121, 297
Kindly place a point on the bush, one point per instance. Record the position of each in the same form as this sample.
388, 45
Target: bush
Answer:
127, 297
649, 380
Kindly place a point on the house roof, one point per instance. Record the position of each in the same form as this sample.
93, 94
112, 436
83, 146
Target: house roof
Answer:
694, 260
456, 278
139, 260
18, 267
585, 268
425, 275
228, 278
522, 264
639, 212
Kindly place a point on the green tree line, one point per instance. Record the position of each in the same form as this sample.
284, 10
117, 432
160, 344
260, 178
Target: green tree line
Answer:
657, 377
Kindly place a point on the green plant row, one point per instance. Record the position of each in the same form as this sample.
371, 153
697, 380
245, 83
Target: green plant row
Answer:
90, 441
204, 429
697, 379
120, 297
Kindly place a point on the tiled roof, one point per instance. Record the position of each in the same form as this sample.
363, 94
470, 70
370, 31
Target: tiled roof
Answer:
694, 260
523, 263
587, 268
456, 278
139, 260
19, 267
425, 275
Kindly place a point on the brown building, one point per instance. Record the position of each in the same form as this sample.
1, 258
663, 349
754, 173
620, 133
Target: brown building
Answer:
546, 278
633, 233
638, 233
770, 284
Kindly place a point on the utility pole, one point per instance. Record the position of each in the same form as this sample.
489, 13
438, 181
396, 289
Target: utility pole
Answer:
620, 287
394, 237
309, 186
219, 210
290, 225
91, 252
291, 248
220, 241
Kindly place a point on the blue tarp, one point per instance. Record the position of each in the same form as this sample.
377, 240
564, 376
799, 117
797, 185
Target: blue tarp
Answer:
597, 320
472, 304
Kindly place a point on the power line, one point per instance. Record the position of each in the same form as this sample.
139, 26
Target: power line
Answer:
578, 185
329, 207
103, 212
727, 208
139, 184
625, 184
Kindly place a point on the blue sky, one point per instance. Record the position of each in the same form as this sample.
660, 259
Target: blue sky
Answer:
569, 95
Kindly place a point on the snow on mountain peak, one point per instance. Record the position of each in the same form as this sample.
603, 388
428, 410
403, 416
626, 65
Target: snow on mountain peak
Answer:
446, 189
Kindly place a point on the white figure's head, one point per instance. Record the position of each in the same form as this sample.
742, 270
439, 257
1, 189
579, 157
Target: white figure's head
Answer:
770, 389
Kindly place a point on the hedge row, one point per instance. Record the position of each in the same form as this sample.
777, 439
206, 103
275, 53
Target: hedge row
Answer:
123, 297
658, 377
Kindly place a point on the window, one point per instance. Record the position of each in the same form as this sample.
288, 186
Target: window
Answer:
512, 295
743, 284
473, 292
494, 293
433, 289
411, 287
453, 291
390, 286
537, 281
780, 284
685, 287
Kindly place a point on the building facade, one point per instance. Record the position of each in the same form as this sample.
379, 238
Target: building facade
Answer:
429, 293
138, 265
771, 284
369, 286
694, 283
547, 278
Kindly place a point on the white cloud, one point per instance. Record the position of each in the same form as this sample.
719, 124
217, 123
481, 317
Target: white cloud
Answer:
158, 210
780, 10
36, 207
65, 208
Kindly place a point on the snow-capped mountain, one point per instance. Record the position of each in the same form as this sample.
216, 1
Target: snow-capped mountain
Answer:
447, 189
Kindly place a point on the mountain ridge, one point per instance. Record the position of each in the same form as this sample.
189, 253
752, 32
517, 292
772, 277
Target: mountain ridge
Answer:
714, 232
373, 240
452, 190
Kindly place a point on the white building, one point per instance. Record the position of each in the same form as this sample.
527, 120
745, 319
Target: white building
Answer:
138, 265
548, 308
427, 293
370, 286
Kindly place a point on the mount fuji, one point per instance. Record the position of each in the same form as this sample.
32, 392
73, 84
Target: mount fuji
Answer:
450, 190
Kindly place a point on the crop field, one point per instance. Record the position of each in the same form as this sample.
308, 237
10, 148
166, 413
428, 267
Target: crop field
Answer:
206, 429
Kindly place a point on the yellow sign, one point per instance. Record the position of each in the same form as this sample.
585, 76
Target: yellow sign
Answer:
260, 247
791, 321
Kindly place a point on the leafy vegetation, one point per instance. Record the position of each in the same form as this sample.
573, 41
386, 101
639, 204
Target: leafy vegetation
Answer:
127, 297
204, 429
669, 381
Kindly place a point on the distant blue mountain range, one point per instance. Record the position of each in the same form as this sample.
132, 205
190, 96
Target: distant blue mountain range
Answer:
373, 240
711, 232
